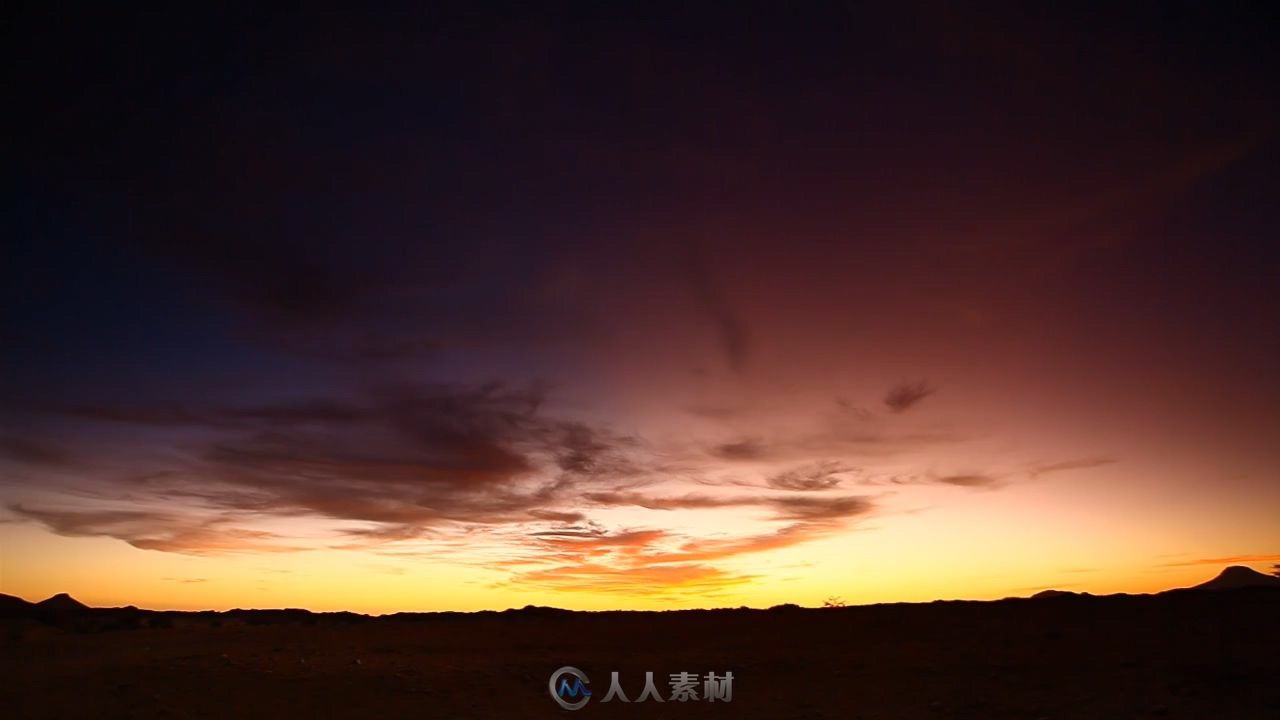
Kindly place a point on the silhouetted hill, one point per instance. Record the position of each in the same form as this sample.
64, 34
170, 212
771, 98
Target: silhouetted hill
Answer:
1238, 577
61, 601
11, 605
62, 609
1185, 654
1058, 594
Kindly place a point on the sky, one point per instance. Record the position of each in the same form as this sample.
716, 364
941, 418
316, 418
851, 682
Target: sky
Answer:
613, 306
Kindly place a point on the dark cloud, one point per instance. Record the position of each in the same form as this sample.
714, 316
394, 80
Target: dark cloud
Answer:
982, 481
969, 480
731, 329
34, 452
160, 415
740, 450
856, 411
557, 515
901, 398
841, 438
820, 508
316, 410
784, 507
817, 476
281, 282
379, 534
718, 411
399, 460
690, 501
584, 450
588, 540
147, 530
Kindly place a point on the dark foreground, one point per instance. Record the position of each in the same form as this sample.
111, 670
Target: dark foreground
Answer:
1181, 655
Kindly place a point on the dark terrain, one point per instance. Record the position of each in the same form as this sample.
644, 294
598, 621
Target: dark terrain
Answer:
1182, 654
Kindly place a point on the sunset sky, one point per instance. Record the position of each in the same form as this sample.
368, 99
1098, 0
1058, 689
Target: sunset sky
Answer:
443, 311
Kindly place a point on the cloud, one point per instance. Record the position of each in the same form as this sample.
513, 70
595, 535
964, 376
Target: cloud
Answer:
814, 526
1065, 465
32, 452
1228, 560
416, 469
785, 507
598, 539
557, 515
583, 450
278, 282
840, 438
147, 530
747, 449
647, 580
969, 480
588, 557
380, 534
689, 501
731, 330
591, 559
400, 459
823, 475
719, 411
412, 469
820, 508
903, 397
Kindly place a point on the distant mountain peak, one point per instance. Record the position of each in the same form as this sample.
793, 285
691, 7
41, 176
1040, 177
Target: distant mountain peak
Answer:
62, 601
1239, 576
1239, 571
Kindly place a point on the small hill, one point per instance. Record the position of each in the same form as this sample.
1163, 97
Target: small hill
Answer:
1237, 577
1054, 594
61, 601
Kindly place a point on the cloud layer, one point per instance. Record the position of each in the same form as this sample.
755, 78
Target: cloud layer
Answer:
394, 469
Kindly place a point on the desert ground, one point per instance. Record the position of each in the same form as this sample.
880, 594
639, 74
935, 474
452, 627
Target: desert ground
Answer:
1179, 655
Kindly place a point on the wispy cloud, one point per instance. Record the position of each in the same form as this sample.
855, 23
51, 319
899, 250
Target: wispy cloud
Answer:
746, 449
651, 580
157, 530
1065, 465
1227, 560
31, 451
824, 475
969, 480
731, 329
905, 396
